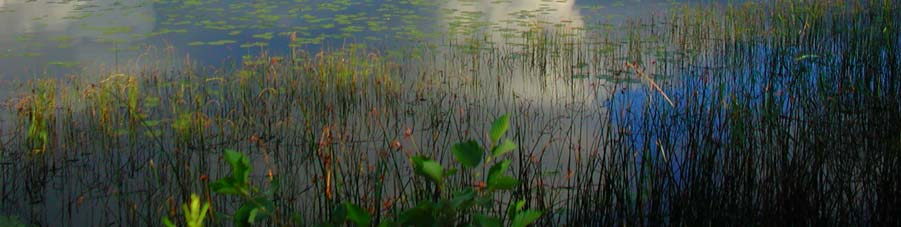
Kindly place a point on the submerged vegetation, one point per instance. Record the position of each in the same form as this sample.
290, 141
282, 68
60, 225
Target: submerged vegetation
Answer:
781, 112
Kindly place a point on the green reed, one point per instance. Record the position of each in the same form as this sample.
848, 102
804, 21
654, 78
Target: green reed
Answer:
763, 113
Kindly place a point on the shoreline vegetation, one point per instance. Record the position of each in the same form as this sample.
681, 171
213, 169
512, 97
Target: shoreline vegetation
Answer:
784, 112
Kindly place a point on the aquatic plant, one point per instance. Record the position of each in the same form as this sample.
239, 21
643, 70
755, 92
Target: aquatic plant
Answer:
765, 113
195, 214
461, 207
39, 110
256, 207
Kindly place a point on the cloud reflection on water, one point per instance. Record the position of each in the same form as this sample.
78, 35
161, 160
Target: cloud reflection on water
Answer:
38, 32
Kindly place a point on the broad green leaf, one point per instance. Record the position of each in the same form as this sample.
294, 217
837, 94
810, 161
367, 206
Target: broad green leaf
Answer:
433, 170
240, 166
357, 215
226, 185
497, 170
463, 199
418, 160
525, 218
468, 153
421, 215
428, 168
487, 221
503, 148
242, 216
253, 211
503, 183
499, 127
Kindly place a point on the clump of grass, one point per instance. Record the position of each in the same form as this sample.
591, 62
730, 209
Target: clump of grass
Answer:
38, 111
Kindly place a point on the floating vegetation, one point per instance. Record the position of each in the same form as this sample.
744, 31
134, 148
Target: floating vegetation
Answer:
254, 44
221, 42
504, 113
66, 64
266, 36
108, 30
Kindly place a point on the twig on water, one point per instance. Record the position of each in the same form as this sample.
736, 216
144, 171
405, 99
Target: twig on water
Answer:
651, 81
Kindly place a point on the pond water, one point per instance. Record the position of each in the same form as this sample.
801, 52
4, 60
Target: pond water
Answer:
51, 38
625, 111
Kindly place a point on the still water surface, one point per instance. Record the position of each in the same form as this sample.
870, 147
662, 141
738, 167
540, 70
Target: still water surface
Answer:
52, 38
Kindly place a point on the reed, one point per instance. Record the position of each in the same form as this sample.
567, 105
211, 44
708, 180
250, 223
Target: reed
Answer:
760, 113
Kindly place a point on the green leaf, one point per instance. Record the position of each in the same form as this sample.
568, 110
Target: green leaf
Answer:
226, 185
468, 153
503, 183
253, 211
253, 215
433, 170
516, 207
525, 218
357, 215
503, 148
167, 222
487, 221
499, 127
421, 215
242, 216
196, 212
520, 204
339, 215
450, 172
388, 223
240, 166
497, 170
463, 199
428, 168
485, 201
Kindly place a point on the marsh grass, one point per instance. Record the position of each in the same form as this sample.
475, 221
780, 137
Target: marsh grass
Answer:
771, 113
